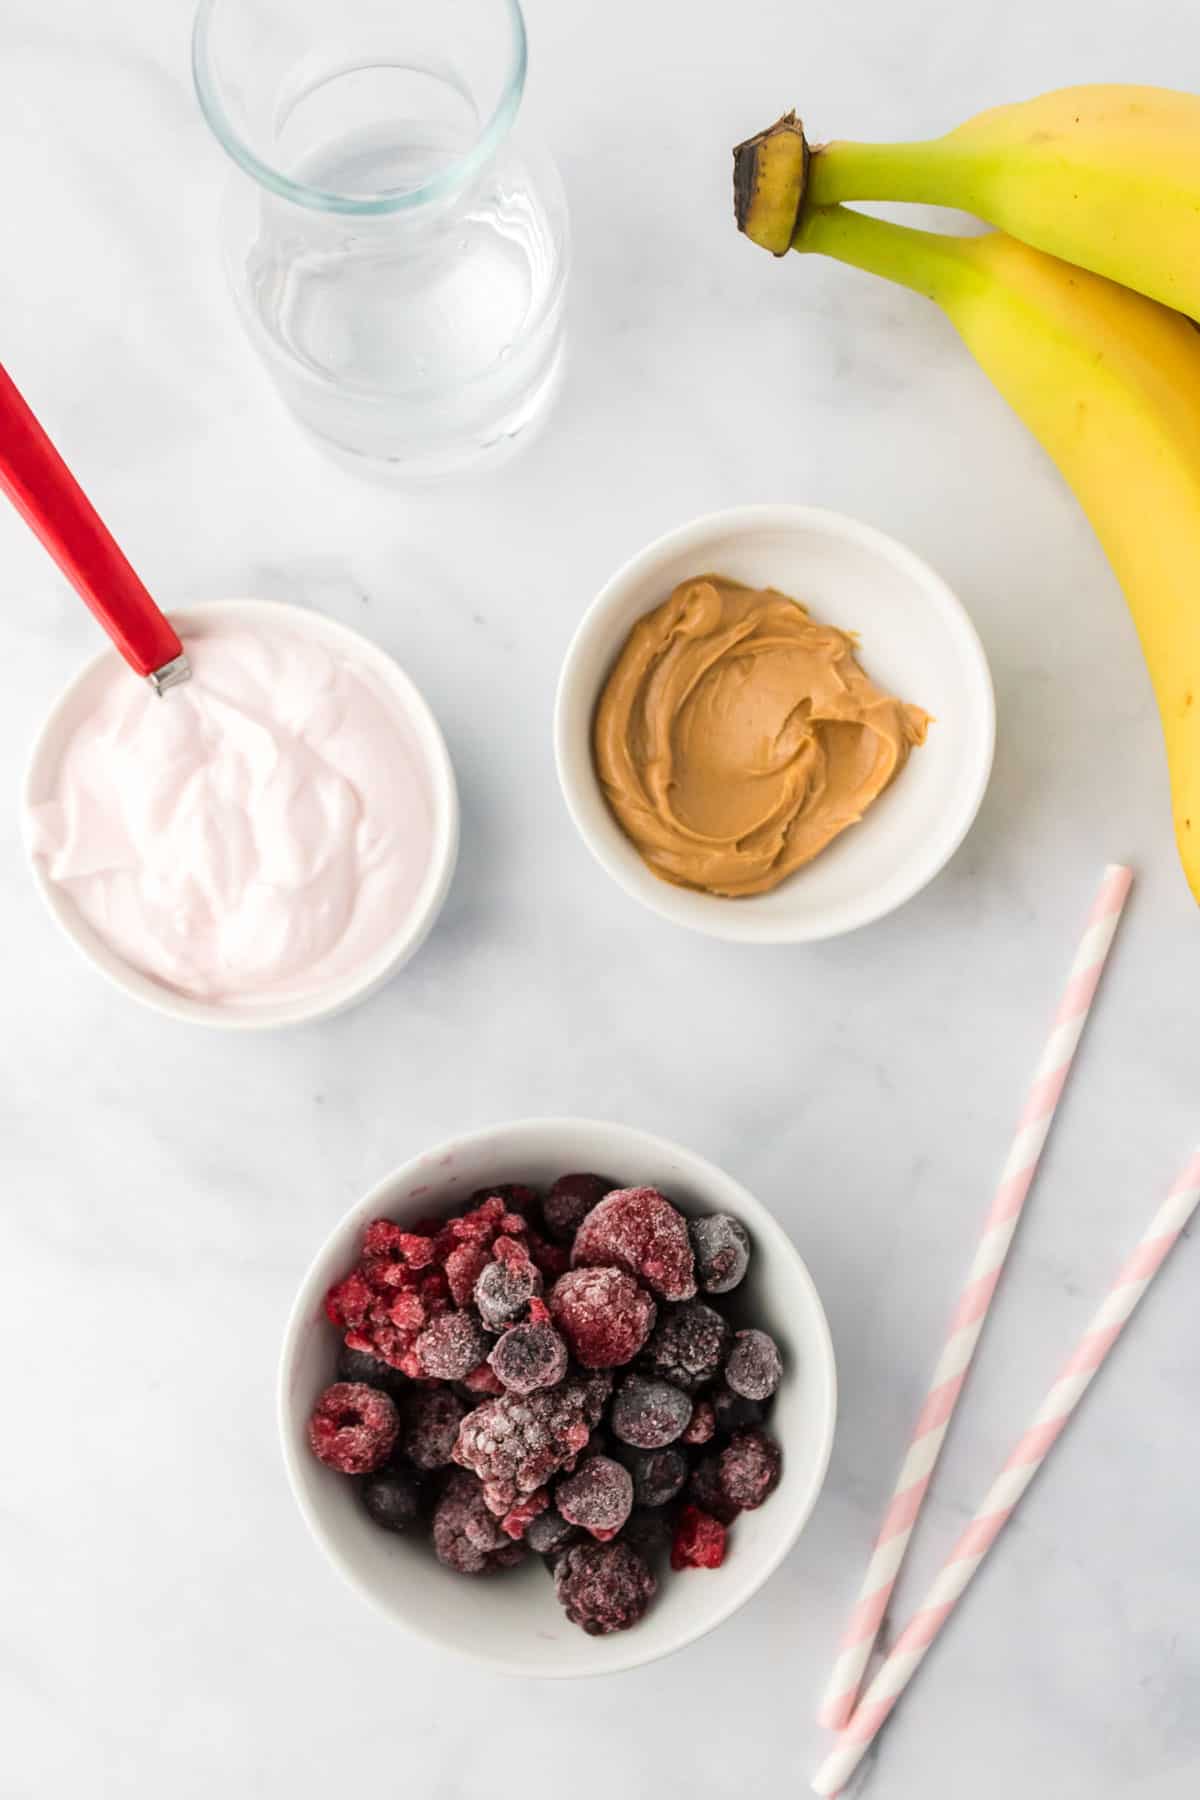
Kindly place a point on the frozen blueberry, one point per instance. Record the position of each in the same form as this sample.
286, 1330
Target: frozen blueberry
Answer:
638, 1230
603, 1587
432, 1416
569, 1202
658, 1475
604, 1315
353, 1428
688, 1346
529, 1357
649, 1414
393, 1498
748, 1469
504, 1289
754, 1367
721, 1246
451, 1346
550, 1532
359, 1365
598, 1497
733, 1411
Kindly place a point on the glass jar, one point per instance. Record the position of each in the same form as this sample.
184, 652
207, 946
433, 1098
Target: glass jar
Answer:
398, 257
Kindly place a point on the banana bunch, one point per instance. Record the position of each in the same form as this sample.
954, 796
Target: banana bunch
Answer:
1079, 307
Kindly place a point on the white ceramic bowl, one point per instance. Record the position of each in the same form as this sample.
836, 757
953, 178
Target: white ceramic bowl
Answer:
512, 1621
916, 641
425, 737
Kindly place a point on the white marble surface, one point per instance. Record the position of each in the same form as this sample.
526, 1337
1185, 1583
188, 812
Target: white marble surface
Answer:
166, 1627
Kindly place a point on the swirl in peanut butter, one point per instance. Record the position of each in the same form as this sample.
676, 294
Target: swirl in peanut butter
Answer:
736, 737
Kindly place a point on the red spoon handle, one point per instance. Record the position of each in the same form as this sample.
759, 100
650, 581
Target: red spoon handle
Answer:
47, 495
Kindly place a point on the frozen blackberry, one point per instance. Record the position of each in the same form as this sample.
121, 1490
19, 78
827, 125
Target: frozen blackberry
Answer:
504, 1289
360, 1365
721, 1246
733, 1411
569, 1202
550, 1532
702, 1425
466, 1538
638, 1230
647, 1530
392, 1496
353, 1427
432, 1416
754, 1367
528, 1357
603, 1587
658, 1475
603, 1314
688, 1346
598, 1496
748, 1469
649, 1414
516, 1442
704, 1489
451, 1346
699, 1541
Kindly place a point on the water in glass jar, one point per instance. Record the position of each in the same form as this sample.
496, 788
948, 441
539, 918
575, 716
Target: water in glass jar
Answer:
423, 336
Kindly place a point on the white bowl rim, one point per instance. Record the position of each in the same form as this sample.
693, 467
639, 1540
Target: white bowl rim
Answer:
404, 943
312, 1289
735, 920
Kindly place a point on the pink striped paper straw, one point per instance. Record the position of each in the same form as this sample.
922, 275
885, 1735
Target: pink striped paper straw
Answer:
1002, 1497
967, 1322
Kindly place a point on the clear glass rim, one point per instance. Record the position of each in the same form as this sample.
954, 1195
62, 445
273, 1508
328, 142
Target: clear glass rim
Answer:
447, 181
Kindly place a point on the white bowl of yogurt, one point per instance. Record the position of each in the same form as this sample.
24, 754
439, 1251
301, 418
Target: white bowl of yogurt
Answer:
262, 846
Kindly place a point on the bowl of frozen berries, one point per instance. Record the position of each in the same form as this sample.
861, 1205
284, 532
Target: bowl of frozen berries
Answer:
559, 1395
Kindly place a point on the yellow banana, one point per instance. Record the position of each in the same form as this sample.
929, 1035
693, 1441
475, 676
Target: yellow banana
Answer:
1105, 176
1110, 383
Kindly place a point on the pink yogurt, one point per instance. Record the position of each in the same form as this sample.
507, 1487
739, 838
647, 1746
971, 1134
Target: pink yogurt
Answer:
256, 835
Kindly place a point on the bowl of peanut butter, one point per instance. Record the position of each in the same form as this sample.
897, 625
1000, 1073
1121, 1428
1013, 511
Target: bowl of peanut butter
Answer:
774, 724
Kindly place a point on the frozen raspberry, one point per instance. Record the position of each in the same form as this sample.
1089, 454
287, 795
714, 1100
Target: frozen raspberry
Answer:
464, 1265
506, 1286
603, 1587
353, 1427
706, 1491
603, 1314
466, 1538
722, 1250
390, 1252
432, 1416
529, 1357
658, 1476
483, 1380
359, 1365
516, 1442
569, 1201
637, 1229
647, 1531
748, 1469
754, 1367
688, 1346
699, 1541
733, 1411
649, 1414
451, 1346
518, 1518
599, 1496
514, 1196
550, 1532
393, 1498
701, 1426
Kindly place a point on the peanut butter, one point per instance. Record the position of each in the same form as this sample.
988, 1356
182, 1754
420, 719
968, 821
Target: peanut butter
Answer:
736, 737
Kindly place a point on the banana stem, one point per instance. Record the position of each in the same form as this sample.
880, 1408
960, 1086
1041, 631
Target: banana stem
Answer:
931, 264
925, 171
